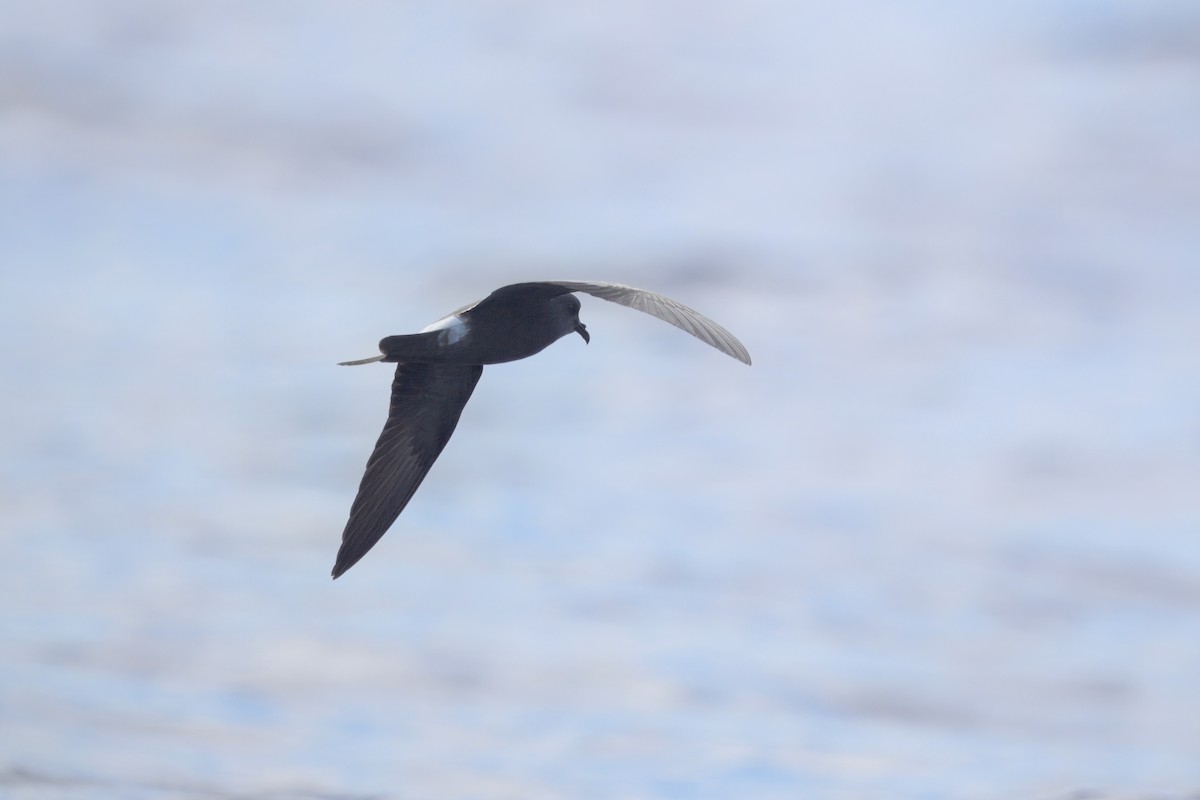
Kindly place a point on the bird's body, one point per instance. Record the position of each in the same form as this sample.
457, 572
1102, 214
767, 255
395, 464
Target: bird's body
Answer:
439, 367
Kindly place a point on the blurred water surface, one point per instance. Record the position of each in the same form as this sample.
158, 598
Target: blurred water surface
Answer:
941, 540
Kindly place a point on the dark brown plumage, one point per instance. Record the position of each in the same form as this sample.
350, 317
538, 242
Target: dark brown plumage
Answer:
439, 367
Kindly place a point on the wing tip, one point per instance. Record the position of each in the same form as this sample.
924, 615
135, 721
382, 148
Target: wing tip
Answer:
346, 558
738, 350
340, 567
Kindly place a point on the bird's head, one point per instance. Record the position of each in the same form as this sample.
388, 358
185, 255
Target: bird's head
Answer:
568, 305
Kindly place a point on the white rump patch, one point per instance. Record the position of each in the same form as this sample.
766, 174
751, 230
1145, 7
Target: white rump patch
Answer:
453, 328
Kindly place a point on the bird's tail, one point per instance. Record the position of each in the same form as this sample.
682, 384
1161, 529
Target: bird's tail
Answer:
411, 347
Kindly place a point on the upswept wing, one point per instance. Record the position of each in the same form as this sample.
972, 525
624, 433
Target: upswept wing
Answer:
666, 309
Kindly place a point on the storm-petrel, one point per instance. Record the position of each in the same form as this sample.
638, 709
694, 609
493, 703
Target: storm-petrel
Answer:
437, 370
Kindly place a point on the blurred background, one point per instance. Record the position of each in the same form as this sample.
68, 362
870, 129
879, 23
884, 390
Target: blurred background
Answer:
942, 540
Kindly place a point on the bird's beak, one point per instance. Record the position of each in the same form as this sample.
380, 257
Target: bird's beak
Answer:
581, 329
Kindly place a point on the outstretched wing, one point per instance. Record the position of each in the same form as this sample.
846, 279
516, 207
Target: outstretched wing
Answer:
427, 399
667, 310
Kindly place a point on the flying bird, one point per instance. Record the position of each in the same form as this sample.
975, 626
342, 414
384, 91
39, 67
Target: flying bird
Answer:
437, 369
